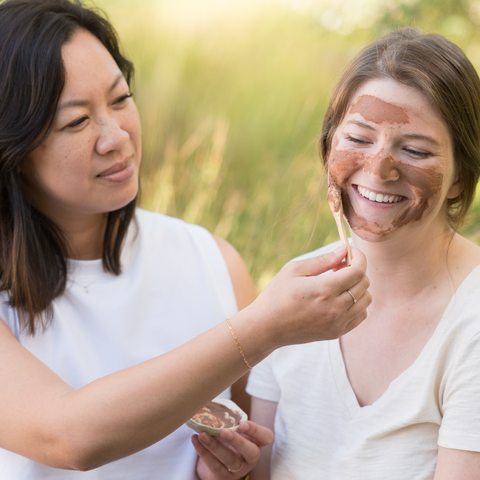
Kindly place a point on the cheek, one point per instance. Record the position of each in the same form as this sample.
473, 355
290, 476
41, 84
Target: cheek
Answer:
425, 182
343, 163
60, 171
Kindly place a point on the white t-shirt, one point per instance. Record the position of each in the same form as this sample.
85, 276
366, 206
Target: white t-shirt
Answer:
321, 432
174, 286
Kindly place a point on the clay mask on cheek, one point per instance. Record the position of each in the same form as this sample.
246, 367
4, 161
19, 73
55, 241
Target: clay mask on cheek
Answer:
341, 165
425, 184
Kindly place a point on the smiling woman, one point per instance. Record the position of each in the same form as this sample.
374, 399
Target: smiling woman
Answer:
377, 139
113, 320
398, 397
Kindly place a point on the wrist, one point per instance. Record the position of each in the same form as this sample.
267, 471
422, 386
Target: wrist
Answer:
252, 336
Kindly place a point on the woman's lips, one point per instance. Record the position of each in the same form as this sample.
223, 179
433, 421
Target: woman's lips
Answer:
383, 198
118, 173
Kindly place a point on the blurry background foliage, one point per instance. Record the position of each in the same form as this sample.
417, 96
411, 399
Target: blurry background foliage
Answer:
232, 93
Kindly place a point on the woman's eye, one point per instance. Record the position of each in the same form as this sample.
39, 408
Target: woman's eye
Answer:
123, 98
418, 153
356, 140
78, 122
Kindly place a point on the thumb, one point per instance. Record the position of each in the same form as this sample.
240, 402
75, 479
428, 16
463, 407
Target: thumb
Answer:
321, 264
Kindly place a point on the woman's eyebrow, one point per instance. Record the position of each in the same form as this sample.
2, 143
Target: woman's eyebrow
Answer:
85, 103
361, 124
411, 136
416, 136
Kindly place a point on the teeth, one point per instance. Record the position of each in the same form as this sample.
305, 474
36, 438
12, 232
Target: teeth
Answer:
378, 197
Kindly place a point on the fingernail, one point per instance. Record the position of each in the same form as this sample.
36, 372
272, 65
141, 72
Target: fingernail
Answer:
339, 249
205, 438
244, 427
226, 435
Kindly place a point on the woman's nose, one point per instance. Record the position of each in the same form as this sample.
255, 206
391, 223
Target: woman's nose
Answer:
112, 136
383, 166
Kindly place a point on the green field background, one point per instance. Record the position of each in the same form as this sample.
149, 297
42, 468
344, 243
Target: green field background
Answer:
232, 93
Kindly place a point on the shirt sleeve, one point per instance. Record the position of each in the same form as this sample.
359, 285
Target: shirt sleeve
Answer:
460, 428
262, 383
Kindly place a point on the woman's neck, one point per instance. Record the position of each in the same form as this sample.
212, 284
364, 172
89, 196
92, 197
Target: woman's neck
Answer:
84, 235
407, 265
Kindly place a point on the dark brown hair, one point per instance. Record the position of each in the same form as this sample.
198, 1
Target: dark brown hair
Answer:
440, 70
33, 269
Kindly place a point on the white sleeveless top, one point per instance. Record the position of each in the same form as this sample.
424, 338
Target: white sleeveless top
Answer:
174, 286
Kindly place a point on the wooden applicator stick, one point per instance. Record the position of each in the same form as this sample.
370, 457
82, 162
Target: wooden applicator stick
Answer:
334, 198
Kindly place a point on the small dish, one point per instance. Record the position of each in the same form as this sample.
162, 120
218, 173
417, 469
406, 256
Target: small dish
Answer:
220, 415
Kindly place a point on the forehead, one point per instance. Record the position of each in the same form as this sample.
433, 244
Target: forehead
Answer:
385, 100
88, 64
378, 111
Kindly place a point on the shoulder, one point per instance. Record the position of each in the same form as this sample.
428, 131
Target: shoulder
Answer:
158, 228
242, 282
147, 220
464, 259
230, 254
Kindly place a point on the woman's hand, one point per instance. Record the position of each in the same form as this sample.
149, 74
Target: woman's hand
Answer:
300, 305
232, 455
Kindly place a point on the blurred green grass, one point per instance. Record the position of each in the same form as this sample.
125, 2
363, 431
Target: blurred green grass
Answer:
232, 94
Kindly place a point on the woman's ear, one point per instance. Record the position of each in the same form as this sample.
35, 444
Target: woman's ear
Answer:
455, 189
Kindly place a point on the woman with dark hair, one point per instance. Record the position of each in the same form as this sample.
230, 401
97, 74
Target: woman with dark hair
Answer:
399, 396
103, 305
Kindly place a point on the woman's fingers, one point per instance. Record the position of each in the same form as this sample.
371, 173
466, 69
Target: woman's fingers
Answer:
318, 265
356, 321
300, 305
262, 436
222, 448
345, 278
208, 466
217, 460
352, 295
232, 453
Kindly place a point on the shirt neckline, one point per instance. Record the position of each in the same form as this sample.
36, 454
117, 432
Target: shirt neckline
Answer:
339, 370
86, 269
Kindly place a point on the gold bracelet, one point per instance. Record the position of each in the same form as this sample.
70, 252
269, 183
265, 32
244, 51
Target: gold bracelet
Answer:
238, 344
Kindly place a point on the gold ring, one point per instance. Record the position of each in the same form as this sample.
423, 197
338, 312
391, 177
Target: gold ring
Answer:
353, 297
237, 469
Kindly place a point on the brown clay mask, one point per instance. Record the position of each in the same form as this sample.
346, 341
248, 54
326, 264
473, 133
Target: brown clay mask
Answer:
424, 183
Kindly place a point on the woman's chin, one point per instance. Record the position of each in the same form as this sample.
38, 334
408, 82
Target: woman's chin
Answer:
374, 234
118, 203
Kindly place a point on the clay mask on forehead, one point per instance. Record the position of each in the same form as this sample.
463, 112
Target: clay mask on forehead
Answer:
425, 183
377, 111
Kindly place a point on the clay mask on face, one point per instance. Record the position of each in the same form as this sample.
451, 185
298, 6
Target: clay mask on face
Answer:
424, 183
377, 111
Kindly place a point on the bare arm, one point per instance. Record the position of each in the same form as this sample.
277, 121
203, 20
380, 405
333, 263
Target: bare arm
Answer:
245, 294
263, 413
457, 465
46, 420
